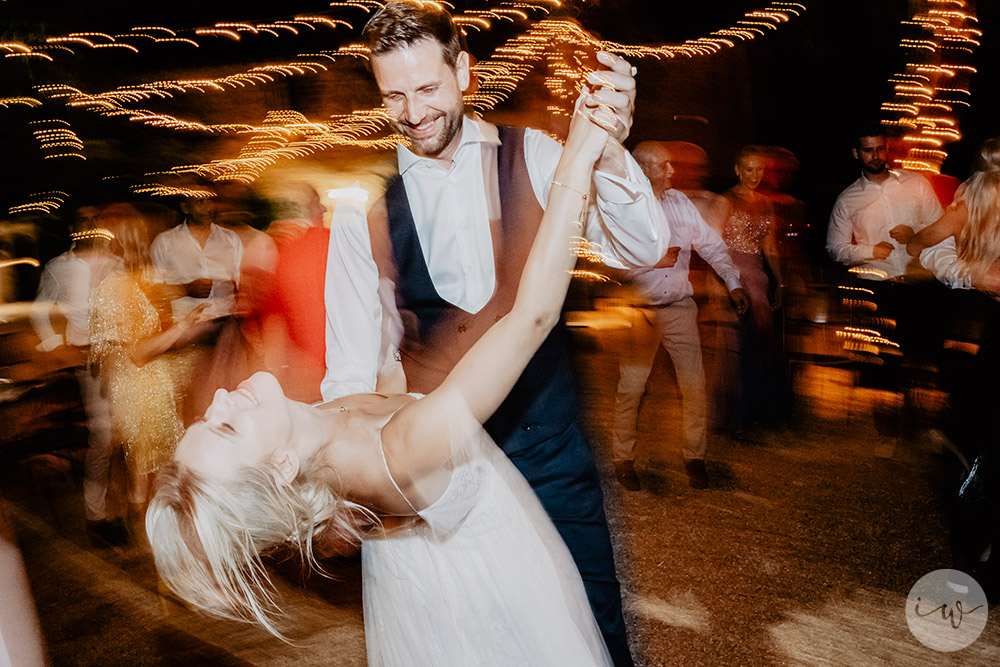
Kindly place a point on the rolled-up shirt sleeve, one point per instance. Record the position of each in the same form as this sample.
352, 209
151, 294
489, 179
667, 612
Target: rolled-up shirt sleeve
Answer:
627, 224
942, 261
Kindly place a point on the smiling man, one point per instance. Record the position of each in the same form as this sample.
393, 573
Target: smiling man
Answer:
449, 240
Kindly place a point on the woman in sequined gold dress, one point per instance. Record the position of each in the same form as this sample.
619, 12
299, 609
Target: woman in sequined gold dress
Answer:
128, 346
749, 378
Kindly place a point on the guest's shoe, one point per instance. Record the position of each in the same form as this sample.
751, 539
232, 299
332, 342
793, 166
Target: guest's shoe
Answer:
106, 533
625, 472
697, 475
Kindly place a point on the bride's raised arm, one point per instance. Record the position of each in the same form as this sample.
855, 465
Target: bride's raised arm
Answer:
485, 375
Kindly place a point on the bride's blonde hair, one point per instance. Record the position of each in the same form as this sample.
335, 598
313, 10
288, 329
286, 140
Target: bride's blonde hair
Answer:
208, 535
978, 244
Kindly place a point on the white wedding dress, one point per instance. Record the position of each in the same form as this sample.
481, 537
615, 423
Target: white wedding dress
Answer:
484, 579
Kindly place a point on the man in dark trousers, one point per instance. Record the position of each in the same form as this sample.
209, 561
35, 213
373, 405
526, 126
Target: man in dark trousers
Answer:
450, 237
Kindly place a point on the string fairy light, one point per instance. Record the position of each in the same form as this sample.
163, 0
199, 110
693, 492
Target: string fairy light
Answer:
934, 87
559, 45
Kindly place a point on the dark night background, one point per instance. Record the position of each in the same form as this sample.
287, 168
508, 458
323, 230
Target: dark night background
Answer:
803, 87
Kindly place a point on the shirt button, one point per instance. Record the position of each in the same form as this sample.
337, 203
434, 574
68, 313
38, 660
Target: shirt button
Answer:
526, 427
462, 328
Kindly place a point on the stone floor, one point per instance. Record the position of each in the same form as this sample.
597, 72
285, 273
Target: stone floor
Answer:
801, 552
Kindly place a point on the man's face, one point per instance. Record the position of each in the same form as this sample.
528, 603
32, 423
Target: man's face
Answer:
424, 95
315, 209
86, 218
659, 170
199, 211
872, 153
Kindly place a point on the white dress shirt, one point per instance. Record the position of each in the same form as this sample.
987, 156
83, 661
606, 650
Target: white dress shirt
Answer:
67, 282
452, 207
178, 259
662, 287
865, 213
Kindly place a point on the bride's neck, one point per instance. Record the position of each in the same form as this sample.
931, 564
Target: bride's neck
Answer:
313, 430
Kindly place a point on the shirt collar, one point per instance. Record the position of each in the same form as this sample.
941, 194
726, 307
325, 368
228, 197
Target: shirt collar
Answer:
187, 229
865, 183
474, 131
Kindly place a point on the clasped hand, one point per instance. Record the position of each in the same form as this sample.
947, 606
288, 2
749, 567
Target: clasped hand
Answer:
606, 101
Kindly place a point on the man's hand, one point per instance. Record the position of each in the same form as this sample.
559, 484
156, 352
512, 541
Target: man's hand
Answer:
740, 299
901, 234
669, 259
882, 250
612, 85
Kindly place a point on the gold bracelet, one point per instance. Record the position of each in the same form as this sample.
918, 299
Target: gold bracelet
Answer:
571, 189
582, 220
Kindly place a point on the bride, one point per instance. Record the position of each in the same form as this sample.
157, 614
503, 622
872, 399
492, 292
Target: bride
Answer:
476, 574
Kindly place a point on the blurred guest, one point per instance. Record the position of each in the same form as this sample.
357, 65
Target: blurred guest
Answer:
200, 261
789, 213
295, 318
67, 283
199, 258
20, 636
234, 211
690, 164
748, 373
297, 209
666, 314
878, 214
129, 346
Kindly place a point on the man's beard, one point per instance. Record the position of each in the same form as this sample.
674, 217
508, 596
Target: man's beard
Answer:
882, 166
433, 145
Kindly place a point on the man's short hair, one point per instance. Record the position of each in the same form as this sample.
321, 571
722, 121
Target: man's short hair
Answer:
869, 128
648, 153
401, 23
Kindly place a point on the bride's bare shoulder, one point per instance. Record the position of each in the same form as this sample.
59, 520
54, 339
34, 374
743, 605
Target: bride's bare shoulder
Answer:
424, 428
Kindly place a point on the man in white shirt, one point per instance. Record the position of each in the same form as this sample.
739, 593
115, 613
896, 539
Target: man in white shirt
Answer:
200, 258
871, 223
66, 283
450, 238
878, 214
665, 314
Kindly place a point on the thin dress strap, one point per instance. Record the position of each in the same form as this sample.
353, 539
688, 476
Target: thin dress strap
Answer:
396, 486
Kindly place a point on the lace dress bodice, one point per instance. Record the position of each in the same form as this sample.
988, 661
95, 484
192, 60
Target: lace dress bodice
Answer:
748, 224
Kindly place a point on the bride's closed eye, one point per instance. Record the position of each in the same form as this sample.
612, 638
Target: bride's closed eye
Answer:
223, 428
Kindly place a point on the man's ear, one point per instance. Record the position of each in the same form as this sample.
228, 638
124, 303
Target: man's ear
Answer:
854, 152
463, 70
286, 462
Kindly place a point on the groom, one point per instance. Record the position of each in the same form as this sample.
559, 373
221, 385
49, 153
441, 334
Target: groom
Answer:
449, 240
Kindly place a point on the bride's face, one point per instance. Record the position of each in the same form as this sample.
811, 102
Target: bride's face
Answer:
240, 428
